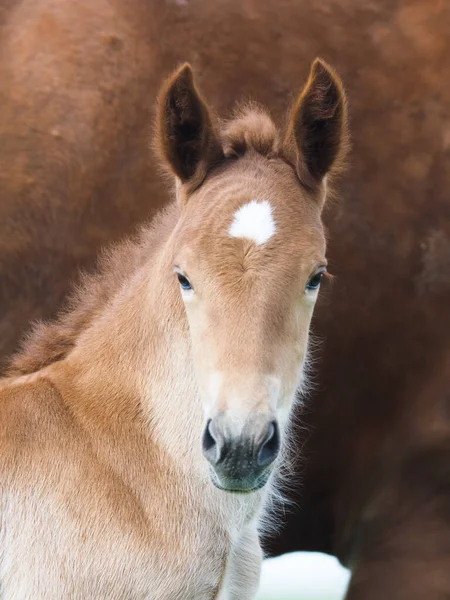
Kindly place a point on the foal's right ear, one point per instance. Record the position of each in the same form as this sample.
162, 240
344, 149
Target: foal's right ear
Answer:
186, 137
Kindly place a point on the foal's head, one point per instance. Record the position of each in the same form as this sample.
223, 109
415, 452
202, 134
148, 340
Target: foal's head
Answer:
249, 255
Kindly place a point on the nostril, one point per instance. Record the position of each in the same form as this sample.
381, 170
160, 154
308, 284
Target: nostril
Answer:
213, 443
208, 441
270, 446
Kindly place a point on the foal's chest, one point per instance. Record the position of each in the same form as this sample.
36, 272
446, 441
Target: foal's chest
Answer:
49, 554
79, 535
81, 519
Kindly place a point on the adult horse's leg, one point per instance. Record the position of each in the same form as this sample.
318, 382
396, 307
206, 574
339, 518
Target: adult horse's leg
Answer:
405, 556
400, 578
401, 548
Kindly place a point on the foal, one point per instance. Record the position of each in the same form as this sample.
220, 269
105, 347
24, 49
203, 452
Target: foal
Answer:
140, 434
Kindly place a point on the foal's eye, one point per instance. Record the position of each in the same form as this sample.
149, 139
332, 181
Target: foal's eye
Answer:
314, 282
184, 282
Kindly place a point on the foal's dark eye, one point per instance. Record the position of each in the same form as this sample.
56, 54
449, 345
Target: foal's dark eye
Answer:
314, 282
184, 282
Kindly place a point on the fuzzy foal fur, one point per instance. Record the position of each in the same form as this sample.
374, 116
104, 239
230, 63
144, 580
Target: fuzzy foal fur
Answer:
104, 490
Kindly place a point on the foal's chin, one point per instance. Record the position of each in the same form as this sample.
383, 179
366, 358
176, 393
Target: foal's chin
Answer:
246, 485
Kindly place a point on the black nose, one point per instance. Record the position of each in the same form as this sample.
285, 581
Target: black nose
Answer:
239, 462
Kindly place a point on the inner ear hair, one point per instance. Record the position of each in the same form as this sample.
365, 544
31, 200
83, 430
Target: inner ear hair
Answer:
186, 136
317, 137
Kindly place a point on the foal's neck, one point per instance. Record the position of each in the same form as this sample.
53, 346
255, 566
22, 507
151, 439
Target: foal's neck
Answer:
133, 364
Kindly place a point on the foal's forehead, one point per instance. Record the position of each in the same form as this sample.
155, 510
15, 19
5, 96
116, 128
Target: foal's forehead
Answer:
253, 215
259, 200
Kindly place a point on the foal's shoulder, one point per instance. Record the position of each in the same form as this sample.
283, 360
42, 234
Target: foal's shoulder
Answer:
31, 411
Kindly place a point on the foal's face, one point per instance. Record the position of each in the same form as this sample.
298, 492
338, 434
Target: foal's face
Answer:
249, 254
249, 257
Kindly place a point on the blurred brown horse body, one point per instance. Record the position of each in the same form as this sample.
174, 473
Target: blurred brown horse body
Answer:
77, 81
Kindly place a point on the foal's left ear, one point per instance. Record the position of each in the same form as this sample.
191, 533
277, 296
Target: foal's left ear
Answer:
186, 137
317, 137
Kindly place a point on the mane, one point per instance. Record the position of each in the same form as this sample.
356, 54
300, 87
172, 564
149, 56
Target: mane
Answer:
250, 128
50, 342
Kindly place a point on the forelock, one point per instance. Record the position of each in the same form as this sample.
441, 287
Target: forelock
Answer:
251, 128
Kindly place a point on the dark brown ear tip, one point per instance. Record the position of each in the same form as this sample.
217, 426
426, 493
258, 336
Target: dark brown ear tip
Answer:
177, 80
322, 71
184, 74
320, 65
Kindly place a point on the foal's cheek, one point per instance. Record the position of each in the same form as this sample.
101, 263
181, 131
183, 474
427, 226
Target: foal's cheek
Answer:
197, 327
202, 348
294, 355
298, 329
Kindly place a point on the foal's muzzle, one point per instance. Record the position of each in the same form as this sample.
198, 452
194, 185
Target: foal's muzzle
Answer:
240, 463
